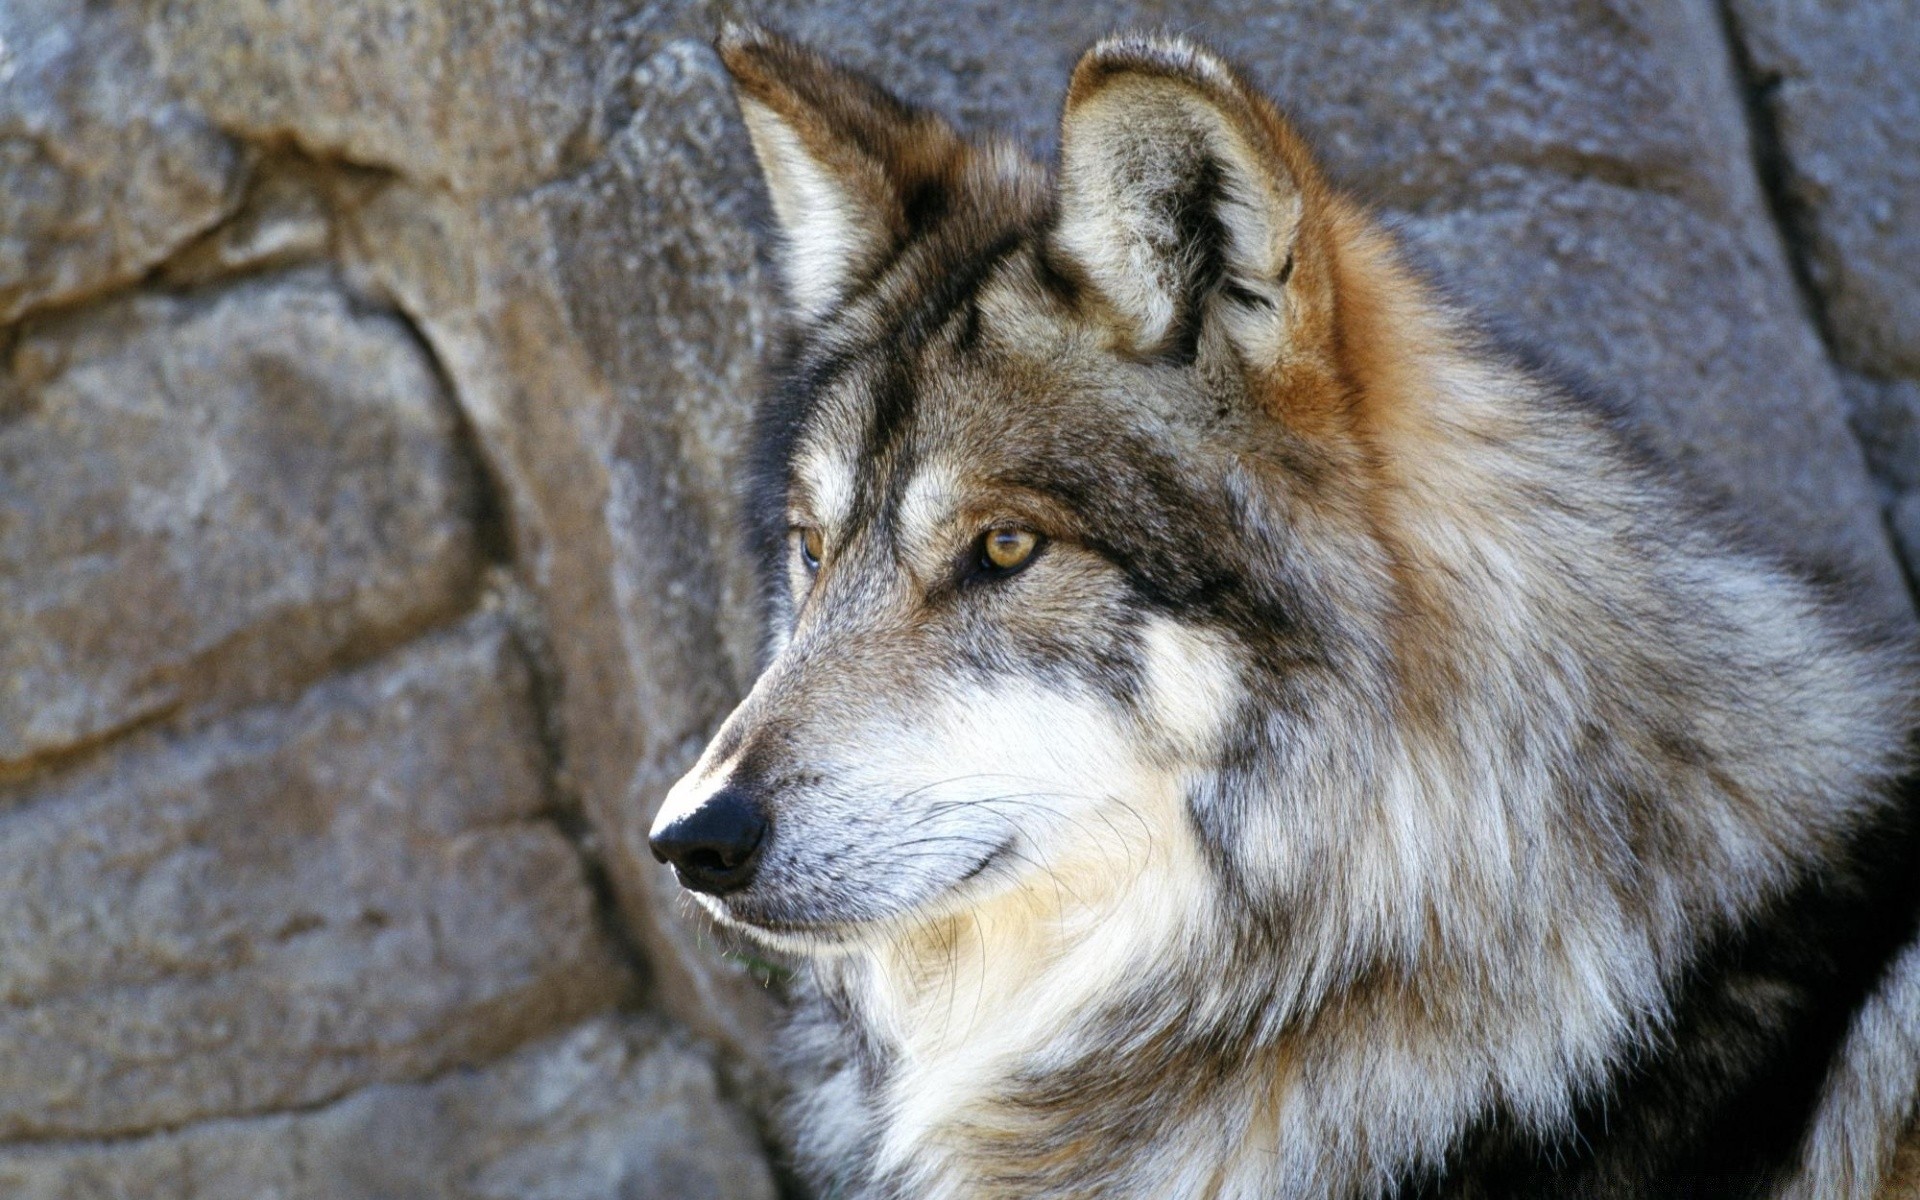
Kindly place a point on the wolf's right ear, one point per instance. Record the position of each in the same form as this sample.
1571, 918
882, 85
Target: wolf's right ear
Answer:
849, 167
1192, 206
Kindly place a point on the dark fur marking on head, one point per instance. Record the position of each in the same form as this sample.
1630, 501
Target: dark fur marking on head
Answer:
798, 379
893, 403
925, 204
1201, 241
1055, 273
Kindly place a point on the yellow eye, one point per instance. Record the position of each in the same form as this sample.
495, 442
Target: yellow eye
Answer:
1010, 549
812, 546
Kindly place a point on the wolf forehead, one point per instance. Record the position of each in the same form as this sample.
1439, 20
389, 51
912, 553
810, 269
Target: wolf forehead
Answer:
965, 357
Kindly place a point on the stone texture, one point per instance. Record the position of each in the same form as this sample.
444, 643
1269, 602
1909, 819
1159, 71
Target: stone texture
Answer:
212, 495
615, 1109
476, 96
292, 903
1838, 81
284, 221
102, 171
604, 332
657, 237
1886, 415
1904, 516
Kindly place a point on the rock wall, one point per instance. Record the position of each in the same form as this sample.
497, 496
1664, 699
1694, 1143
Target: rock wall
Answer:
372, 387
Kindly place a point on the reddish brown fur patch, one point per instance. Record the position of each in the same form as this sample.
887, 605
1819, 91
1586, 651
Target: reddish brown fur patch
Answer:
1386, 341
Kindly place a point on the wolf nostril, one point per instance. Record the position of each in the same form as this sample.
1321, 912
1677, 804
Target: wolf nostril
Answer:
704, 859
716, 847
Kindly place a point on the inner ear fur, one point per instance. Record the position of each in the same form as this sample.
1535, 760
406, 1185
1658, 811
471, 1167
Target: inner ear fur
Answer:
1192, 207
850, 168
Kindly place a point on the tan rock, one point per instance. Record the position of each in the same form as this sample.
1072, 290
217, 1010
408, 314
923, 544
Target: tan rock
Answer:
291, 904
615, 1108
103, 172
284, 221
215, 497
479, 96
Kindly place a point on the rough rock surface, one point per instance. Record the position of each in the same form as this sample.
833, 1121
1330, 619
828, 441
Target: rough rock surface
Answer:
205, 494
291, 903
328, 326
1837, 82
103, 171
476, 96
1904, 516
1838, 102
283, 221
604, 332
613, 1108
1887, 417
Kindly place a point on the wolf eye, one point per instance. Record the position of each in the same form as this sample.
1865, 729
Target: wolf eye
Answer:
812, 546
1004, 551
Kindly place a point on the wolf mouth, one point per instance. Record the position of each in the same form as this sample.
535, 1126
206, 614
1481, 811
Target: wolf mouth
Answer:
744, 914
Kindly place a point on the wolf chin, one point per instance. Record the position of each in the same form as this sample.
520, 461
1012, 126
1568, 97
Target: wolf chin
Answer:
1231, 731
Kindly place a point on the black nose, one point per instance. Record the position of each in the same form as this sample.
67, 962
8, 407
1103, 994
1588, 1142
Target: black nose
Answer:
716, 847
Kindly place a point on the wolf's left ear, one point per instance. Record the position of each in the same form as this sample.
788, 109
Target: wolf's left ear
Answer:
848, 165
1189, 204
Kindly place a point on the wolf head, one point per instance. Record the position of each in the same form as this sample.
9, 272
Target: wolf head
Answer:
1144, 529
1038, 453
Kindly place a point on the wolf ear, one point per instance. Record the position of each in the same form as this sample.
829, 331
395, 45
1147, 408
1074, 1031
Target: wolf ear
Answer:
849, 166
1188, 203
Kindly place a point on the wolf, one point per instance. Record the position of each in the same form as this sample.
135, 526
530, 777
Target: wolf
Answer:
1231, 729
